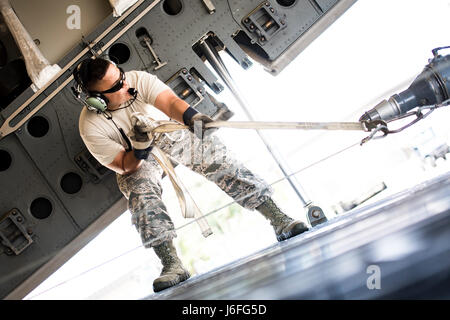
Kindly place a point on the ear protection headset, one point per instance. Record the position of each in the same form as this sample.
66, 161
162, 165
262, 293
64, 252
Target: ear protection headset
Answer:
94, 101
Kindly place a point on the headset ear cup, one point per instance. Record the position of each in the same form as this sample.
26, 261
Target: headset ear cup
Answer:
97, 102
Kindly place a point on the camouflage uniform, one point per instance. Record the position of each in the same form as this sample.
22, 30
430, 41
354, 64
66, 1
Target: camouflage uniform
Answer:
210, 159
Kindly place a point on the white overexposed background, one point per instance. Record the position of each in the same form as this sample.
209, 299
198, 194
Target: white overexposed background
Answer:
371, 52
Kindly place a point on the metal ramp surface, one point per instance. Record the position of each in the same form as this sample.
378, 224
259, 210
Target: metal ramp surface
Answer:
396, 248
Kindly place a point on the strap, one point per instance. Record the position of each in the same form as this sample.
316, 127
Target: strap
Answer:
124, 136
189, 208
129, 148
165, 126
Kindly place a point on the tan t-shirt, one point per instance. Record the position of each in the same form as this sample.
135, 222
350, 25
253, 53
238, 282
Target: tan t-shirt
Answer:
100, 135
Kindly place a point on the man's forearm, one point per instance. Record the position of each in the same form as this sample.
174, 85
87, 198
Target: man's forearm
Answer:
170, 104
125, 162
177, 109
130, 162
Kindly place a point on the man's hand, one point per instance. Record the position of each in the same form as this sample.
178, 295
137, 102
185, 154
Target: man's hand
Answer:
139, 137
196, 121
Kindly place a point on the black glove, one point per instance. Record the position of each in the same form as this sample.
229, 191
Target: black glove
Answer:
140, 140
191, 117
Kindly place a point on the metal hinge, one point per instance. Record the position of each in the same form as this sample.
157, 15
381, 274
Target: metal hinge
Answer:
14, 234
186, 86
264, 22
91, 166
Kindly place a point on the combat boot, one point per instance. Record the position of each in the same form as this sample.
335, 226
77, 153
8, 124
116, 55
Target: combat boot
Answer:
285, 227
173, 271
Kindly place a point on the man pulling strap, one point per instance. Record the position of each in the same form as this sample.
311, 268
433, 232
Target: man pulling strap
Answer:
112, 97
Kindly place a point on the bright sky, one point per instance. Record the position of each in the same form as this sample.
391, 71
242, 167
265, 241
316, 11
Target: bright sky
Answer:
374, 50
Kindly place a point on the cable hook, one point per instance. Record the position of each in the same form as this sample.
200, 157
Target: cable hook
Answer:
380, 127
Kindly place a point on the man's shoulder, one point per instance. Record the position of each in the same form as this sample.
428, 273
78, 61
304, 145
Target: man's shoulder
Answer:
86, 114
88, 120
135, 76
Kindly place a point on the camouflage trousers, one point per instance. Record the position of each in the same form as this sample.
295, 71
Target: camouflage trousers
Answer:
208, 157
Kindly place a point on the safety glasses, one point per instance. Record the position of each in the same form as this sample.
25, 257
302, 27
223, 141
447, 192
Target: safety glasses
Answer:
118, 85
